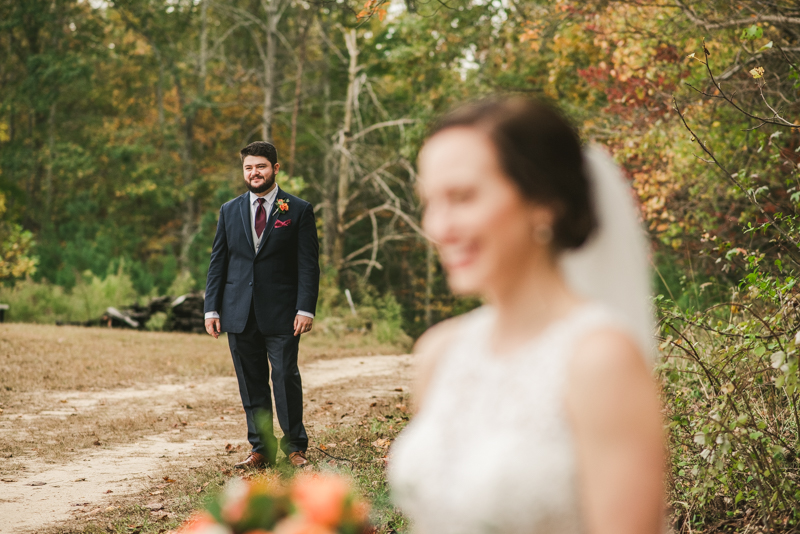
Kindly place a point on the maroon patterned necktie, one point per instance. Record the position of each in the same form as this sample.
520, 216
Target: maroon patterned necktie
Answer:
261, 217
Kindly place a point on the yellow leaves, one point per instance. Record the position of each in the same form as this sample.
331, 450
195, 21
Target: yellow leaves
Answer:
372, 7
757, 73
531, 35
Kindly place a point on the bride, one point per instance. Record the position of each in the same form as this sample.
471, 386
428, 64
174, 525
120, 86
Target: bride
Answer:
537, 412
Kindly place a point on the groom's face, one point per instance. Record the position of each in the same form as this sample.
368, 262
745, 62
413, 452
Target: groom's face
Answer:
259, 173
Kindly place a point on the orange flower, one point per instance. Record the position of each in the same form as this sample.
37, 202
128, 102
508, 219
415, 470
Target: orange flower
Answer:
359, 512
300, 525
320, 498
235, 501
196, 523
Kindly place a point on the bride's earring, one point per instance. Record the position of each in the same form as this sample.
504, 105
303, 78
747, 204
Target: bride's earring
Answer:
543, 234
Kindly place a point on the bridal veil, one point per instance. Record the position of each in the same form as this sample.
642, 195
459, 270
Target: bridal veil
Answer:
613, 267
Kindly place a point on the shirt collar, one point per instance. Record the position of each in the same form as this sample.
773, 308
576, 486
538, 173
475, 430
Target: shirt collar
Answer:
269, 198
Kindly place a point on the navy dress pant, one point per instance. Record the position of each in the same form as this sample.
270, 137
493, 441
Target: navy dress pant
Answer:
253, 354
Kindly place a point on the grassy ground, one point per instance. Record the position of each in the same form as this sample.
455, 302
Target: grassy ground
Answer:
49, 369
357, 452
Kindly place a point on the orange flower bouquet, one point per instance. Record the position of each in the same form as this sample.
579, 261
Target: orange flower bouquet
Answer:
312, 504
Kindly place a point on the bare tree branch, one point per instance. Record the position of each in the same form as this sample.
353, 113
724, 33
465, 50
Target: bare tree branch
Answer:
385, 124
734, 23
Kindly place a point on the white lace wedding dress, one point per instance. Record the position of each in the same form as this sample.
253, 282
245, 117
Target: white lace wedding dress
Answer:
492, 450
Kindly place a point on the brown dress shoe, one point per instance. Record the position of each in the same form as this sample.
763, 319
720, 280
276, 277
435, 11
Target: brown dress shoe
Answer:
254, 461
298, 459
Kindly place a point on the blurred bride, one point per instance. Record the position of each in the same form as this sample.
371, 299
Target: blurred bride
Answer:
537, 412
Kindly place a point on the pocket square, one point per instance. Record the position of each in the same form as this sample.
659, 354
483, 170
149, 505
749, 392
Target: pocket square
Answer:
281, 224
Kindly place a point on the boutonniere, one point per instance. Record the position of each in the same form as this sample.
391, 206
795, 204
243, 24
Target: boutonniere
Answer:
281, 206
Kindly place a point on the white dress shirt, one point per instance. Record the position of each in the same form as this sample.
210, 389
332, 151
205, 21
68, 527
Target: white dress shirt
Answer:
269, 201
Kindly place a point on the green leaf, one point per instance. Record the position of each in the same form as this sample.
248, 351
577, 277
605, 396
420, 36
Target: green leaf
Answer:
752, 33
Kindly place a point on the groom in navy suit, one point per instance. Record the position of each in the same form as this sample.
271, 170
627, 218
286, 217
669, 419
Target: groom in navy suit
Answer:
262, 287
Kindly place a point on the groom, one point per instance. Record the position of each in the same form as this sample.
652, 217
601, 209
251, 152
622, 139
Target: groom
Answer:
262, 288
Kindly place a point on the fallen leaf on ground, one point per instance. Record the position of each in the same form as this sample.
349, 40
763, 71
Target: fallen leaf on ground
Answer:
159, 516
398, 389
158, 492
97, 443
79, 480
36, 483
7, 479
381, 443
110, 508
168, 480
109, 491
331, 445
154, 506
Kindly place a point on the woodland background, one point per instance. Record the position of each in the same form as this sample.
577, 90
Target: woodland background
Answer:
120, 124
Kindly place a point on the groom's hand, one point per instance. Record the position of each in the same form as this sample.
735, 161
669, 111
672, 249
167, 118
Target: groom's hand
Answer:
302, 324
212, 327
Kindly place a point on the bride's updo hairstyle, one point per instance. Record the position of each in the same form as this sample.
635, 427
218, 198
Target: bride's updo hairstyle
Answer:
540, 152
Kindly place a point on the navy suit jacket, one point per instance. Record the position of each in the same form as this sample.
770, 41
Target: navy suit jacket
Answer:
281, 278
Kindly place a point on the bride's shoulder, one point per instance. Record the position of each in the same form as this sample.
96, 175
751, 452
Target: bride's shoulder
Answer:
608, 363
440, 335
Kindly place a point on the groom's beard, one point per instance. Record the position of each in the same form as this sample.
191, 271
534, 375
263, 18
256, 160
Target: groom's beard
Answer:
268, 181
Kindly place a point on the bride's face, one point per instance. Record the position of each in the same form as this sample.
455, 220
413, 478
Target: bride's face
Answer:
479, 220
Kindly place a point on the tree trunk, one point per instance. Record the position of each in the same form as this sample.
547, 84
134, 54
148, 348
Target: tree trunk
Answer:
329, 222
298, 90
51, 154
189, 215
345, 135
273, 17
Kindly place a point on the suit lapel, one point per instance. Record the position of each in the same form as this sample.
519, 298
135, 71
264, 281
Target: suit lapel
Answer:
244, 210
271, 220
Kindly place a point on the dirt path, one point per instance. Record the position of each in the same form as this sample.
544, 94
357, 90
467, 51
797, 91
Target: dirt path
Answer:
40, 493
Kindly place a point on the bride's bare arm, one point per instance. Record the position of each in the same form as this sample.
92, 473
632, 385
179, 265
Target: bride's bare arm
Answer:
615, 413
428, 351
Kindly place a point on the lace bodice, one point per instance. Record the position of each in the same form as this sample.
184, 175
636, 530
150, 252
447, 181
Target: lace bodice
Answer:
492, 450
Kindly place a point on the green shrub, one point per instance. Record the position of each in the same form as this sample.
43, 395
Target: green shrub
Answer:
43, 302
729, 380
157, 322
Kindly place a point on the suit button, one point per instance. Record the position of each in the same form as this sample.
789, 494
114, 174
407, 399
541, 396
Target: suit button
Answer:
251, 283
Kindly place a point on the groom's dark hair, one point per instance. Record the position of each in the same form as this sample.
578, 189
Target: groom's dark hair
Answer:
540, 152
260, 148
